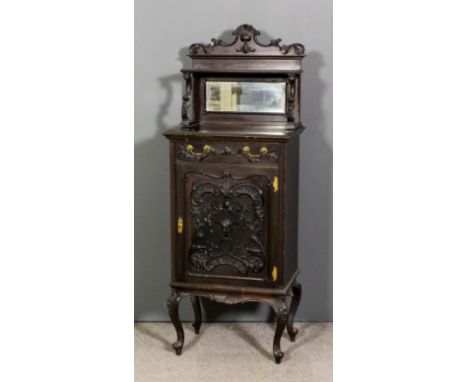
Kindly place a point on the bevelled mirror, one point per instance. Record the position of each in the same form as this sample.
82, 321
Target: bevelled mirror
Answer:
245, 96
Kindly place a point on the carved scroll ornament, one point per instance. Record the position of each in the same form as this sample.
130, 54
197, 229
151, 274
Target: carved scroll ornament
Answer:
245, 42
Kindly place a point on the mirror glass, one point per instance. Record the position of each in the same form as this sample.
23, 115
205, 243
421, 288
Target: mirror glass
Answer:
246, 96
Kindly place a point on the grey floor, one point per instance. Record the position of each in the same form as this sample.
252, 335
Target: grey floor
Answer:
231, 352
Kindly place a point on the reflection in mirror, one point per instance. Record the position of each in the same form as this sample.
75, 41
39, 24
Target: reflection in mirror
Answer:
246, 97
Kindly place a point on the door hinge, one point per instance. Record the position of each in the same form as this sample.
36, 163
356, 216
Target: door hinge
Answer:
274, 274
180, 225
275, 184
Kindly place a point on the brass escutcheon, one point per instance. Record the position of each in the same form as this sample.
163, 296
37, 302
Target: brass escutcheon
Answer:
274, 274
180, 225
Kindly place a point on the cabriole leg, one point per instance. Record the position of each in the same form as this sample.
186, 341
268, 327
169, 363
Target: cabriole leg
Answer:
197, 312
173, 308
281, 319
296, 299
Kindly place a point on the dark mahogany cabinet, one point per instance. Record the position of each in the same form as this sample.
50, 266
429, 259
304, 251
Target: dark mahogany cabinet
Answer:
234, 179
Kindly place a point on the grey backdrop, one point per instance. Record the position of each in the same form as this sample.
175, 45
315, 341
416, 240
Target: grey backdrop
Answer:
162, 29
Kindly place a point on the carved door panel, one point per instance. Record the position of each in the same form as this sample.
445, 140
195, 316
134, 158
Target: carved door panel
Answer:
228, 223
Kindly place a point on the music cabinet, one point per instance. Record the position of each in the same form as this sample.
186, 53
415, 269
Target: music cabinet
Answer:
234, 179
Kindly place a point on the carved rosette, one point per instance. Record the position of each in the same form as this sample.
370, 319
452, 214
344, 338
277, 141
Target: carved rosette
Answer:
245, 42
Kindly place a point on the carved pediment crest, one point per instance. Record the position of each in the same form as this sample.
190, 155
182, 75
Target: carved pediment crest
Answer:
246, 42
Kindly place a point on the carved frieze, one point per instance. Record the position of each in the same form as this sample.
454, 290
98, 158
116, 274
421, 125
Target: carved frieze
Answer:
228, 152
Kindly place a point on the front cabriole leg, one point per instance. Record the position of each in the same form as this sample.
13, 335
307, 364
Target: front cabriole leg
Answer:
281, 311
173, 308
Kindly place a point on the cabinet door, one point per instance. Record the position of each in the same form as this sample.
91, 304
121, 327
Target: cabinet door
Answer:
229, 224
